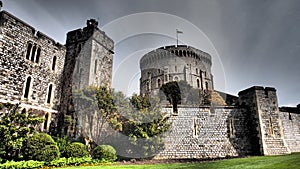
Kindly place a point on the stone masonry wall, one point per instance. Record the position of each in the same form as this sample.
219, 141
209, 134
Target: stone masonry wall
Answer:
291, 129
262, 103
206, 133
18, 62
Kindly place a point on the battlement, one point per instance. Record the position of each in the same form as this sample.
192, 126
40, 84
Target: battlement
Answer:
10, 19
257, 88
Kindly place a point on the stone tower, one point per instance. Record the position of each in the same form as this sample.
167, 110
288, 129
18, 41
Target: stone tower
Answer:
175, 63
262, 106
88, 62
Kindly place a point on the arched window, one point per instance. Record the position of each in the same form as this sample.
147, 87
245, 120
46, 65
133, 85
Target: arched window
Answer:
158, 83
46, 121
180, 53
176, 52
33, 53
38, 54
49, 93
198, 83
27, 87
53, 63
184, 53
29, 46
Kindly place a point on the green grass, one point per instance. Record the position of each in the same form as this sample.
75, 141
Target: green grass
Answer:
291, 161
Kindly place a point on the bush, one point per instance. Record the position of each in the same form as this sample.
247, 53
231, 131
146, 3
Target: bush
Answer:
62, 143
105, 152
40, 147
76, 149
22, 164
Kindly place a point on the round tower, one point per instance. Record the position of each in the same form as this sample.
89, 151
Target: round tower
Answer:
175, 63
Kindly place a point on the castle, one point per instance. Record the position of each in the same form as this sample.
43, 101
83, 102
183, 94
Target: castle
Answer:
40, 74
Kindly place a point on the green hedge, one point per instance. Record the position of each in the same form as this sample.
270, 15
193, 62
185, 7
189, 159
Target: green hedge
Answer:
40, 147
22, 164
105, 152
76, 149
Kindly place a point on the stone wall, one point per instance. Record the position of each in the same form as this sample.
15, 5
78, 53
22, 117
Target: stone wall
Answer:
262, 104
206, 133
291, 127
29, 55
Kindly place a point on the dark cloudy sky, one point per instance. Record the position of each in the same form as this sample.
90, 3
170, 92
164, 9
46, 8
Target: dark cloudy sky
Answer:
257, 41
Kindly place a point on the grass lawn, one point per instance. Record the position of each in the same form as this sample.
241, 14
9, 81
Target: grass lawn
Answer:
291, 161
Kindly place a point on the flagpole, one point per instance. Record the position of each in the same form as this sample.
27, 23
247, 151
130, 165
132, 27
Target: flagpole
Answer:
176, 37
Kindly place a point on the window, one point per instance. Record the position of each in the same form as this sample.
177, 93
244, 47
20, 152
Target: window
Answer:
206, 85
27, 87
158, 83
46, 122
38, 54
49, 93
196, 70
33, 53
29, 46
290, 116
198, 83
175, 68
53, 63
96, 64
231, 127
147, 86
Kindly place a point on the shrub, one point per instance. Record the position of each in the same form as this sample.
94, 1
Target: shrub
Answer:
105, 152
40, 147
62, 143
22, 164
76, 149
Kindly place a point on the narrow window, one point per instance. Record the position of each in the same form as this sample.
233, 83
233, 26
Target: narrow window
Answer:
206, 85
27, 87
198, 83
29, 46
195, 128
175, 68
231, 127
148, 86
96, 64
53, 63
271, 127
49, 93
180, 53
158, 71
196, 70
290, 116
46, 122
38, 53
33, 53
158, 83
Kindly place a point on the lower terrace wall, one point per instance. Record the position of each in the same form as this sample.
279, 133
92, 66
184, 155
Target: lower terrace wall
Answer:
206, 133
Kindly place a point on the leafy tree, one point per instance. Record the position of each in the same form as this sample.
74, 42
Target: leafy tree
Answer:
172, 93
15, 126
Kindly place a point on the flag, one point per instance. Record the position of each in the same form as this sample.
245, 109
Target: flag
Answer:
178, 31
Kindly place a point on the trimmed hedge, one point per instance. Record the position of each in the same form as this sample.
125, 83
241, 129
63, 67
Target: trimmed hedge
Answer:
40, 147
76, 149
22, 164
105, 152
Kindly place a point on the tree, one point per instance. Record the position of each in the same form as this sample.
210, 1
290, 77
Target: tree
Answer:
172, 93
15, 126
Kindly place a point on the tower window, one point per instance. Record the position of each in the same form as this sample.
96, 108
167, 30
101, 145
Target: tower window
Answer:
46, 121
158, 82
198, 83
29, 46
49, 93
53, 63
33, 53
38, 54
27, 87
196, 70
96, 64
